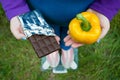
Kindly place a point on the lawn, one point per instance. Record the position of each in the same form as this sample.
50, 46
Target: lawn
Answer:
99, 61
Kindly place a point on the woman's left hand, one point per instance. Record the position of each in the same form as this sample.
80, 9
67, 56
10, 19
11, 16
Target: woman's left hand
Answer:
105, 26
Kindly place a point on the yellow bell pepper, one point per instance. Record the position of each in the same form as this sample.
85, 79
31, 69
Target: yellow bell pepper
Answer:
85, 28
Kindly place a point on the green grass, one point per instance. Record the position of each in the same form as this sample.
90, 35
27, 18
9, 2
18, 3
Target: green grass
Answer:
99, 61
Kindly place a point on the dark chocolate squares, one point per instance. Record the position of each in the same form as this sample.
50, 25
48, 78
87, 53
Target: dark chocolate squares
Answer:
43, 45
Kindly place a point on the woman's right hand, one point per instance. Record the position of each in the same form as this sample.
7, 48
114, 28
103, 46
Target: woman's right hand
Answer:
16, 28
17, 31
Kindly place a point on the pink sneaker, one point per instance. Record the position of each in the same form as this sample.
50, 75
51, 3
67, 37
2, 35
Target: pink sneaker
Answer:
53, 59
67, 59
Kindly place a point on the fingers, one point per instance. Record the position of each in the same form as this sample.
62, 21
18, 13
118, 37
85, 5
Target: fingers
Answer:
58, 39
70, 42
76, 45
16, 28
67, 38
17, 33
105, 24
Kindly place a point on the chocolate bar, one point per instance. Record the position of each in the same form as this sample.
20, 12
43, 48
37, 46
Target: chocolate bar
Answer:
43, 45
39, 33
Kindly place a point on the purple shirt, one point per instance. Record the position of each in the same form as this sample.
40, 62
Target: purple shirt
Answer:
106, 7
16, 7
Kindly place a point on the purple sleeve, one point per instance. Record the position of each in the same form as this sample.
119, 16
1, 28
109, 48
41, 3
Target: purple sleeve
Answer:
106, 7
14, 7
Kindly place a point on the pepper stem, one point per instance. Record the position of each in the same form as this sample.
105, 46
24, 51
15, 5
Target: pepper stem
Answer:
85, 25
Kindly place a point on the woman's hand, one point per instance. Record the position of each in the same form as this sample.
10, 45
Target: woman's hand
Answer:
105, 26
104, 22
16, 28
17, 31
